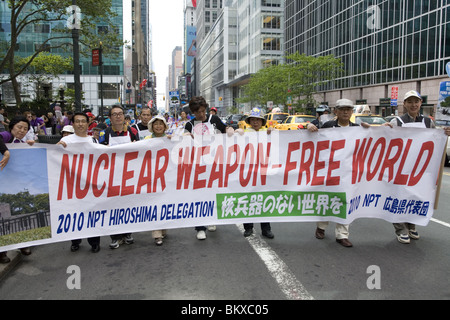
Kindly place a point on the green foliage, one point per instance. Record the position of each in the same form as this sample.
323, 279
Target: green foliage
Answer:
300, 78
446, 103
26, 236
24, 202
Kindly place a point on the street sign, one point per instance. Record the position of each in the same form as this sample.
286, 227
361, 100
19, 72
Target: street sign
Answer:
289, 101
394, 96
95, 57
385, 102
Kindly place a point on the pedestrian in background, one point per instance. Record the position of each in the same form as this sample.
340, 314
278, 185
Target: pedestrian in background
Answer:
3, 121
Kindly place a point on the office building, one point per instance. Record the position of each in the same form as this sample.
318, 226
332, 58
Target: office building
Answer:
35, 34
385, 45
246, 37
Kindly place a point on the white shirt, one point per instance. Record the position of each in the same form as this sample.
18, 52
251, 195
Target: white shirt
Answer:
73, 138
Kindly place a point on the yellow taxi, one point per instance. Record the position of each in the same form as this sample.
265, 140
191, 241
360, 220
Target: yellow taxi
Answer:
242, 124
295, 122
274, 119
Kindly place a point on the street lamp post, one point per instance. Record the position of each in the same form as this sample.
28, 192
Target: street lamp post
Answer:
76, 55
101, 79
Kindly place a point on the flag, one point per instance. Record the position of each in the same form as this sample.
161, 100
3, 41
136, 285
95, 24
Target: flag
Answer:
143, 84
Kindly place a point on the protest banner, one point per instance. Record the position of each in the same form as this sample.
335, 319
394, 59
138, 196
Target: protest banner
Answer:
337, 175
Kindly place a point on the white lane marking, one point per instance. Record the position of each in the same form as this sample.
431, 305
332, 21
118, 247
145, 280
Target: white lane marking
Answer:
441, 222
287, 282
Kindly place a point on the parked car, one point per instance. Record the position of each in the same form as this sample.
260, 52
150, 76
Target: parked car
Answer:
373, 120
389, 118
275, 118
295, 122
442, 123
233, 120
242, 124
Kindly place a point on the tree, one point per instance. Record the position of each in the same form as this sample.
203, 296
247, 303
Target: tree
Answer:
29, 13
300, 78
45, 67
307, 74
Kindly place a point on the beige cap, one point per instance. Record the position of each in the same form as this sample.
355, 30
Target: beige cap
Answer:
344, 103
412, 93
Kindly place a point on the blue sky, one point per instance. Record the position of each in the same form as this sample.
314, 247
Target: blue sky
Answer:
26, 169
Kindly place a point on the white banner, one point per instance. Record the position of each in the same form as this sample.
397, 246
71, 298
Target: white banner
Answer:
334, 175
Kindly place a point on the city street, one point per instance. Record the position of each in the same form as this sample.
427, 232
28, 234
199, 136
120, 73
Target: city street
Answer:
293, 265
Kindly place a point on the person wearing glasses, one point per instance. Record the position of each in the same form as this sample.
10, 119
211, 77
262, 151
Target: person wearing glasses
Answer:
80, 128
119, 133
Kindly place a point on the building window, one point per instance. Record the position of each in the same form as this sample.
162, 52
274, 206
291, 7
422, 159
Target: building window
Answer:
271, 22
110, 90
42, 28
271, 43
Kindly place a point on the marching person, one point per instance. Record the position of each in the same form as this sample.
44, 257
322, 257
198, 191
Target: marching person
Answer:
19, 127
80, 128
412, 102
204, 124
142, 127
157, 128
257, 122
344, 110
118, 133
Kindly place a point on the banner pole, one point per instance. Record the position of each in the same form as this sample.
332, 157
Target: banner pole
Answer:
439, 182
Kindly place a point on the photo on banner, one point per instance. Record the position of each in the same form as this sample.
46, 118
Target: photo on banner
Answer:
24, 197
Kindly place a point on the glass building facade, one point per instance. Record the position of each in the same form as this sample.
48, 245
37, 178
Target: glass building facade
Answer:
247, 36
35, 34
379, 41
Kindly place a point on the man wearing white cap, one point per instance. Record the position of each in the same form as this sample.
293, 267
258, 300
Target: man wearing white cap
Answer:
344, 111
412, 102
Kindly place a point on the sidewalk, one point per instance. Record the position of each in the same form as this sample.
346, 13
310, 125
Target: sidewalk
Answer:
15, 257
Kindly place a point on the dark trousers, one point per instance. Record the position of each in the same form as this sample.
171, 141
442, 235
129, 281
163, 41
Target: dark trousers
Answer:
264, 226
92, 241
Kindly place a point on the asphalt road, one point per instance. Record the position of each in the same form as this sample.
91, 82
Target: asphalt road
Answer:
227, 266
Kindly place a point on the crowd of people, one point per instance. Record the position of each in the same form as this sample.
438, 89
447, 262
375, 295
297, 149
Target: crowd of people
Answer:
82, 127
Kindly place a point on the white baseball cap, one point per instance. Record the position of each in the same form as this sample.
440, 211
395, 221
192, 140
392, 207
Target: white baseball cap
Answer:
344, 103
412, 93
68, 128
